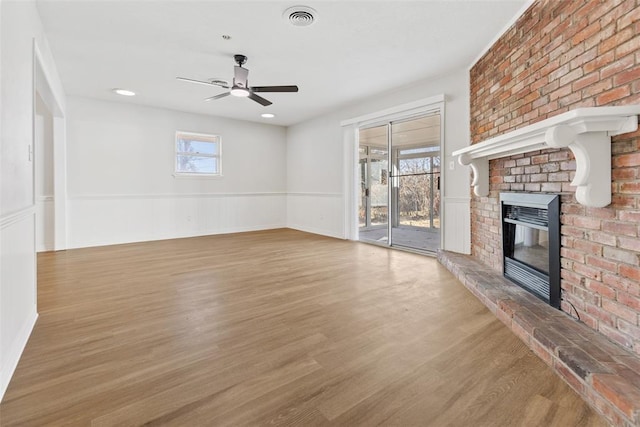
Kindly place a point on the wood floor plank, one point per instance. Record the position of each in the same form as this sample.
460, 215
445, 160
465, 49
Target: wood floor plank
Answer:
275, 327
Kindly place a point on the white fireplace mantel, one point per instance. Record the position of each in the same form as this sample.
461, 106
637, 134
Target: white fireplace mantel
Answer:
586, 132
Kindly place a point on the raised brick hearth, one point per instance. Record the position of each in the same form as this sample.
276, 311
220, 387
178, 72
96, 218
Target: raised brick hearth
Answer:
606, 375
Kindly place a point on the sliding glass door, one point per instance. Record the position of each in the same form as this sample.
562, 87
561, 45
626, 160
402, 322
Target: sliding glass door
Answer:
400, 183
374, 184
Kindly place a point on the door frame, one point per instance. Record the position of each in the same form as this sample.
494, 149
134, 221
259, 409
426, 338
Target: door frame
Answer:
351, 158
42, 87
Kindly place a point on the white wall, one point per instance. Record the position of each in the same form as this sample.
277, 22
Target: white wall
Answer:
315, 156
120, 175
43, 157
19, 26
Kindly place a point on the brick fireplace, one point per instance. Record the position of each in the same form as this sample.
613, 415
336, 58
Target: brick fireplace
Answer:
557, 58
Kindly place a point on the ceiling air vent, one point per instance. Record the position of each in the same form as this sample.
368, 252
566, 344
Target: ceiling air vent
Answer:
300, 16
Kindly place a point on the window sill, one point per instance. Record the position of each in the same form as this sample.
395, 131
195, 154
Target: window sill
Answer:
196, 176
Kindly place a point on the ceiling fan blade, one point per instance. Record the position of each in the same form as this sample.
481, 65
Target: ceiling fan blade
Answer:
200, 82
290, 88
259, 99
222, 95
219, 83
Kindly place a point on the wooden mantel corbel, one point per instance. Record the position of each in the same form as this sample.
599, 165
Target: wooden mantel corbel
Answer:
586, 132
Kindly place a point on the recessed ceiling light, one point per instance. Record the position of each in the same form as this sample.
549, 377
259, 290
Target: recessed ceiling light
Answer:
268, 115
123, 92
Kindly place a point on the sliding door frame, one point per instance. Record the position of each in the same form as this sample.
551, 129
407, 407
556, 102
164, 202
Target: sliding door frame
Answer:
433, 105
350, 139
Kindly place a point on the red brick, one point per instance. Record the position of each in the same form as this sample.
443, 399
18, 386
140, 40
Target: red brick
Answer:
624, 228
602, 263
628, 329
601, 289
587, 271
622, 174
563, 154
568, 376
572, 208
628, 47
586, 33
600, 314
616, 336
626, 160
586, 222
585, 81
619, 310
628, 257
626, 76
629, 243
629, 301
588, 247
629, 216
628, 18
629, 272
619, 201
617, 282
542, 352
570, 77
618, 391
604, 238
521, 333
573, 231
605, 407
572, 254
551, 187
629, 187
613, 95
615, 40
601, 61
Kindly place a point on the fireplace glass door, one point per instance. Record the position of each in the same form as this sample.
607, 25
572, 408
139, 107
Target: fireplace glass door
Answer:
531, 246
531, 243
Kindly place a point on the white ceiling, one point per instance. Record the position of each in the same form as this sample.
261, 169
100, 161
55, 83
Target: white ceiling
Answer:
354, 50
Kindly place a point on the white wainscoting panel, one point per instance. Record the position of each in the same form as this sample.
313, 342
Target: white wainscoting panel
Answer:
114, 219
18, 310
457, 224
318, 213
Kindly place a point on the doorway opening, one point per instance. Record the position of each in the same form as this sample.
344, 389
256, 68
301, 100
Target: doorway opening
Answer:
43, 156
48, 156
399, 168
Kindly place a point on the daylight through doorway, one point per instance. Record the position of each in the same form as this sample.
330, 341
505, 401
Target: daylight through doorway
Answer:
399, 201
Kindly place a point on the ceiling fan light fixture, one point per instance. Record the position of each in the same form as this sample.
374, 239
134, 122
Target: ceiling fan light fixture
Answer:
239, 91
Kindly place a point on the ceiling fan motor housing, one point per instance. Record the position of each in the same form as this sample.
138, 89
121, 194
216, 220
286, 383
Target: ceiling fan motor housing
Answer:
240, 59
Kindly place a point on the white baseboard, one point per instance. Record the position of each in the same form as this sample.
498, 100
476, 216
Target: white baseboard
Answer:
313, 230
15, 352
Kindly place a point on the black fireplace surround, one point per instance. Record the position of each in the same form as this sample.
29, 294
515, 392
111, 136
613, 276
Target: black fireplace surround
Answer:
531, 243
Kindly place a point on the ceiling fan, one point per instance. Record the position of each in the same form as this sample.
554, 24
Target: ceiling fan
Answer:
240, 86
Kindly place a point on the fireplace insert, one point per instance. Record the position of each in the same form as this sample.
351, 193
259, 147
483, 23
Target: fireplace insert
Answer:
531, 243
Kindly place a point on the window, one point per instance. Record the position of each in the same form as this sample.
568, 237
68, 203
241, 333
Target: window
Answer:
198, 154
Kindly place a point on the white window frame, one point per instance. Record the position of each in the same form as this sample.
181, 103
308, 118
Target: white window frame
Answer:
202, 137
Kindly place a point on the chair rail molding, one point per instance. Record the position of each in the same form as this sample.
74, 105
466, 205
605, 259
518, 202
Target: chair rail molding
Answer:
586, 132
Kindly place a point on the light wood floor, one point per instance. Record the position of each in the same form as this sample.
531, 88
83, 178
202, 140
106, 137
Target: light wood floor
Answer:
275, 327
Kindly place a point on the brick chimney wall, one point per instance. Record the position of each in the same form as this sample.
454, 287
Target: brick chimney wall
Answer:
559, 56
